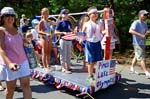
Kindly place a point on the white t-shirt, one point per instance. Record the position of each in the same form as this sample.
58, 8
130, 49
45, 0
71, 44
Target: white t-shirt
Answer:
92, 31
34, 34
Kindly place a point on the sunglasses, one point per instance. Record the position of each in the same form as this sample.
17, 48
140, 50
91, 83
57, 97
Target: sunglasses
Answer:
145, 14
9, 15
65, 13
94, 12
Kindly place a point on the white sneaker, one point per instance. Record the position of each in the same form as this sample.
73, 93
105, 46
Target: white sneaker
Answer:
68, 72
134, 72
147, 75
1, 88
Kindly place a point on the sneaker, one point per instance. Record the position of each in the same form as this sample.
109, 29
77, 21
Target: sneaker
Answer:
134, 72
63, 70
147, 75
68, 72
47, 70
91, 80
40, 65
1, 88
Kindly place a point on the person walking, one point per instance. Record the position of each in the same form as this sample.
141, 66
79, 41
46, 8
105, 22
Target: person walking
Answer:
139, 30
13, 61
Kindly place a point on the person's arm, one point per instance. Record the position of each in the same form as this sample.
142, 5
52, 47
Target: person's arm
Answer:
132, 31
3, 54
59, 33
52, 22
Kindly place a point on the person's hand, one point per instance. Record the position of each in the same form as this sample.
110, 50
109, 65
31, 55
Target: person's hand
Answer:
143, 36
65, 33
148, 33
14, 66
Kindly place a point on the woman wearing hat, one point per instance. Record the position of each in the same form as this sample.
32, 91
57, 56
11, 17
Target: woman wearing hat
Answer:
13, 61
64, 27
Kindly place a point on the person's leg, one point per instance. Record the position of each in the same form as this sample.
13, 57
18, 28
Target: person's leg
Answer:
10, 87
143, 65
90, 69
25, 85
1, 87
68, 55
43, 44
48, 52
62, 54
54, 50
134, 60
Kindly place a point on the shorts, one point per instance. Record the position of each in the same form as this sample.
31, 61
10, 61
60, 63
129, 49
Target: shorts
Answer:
93, 51
139, 52
8, 75
112, 43
38, 48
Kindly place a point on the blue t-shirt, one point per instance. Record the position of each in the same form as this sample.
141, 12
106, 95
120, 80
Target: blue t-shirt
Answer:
64, 26
141, 27
24, 28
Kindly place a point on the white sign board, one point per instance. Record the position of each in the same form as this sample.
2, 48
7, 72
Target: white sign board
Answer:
105, 74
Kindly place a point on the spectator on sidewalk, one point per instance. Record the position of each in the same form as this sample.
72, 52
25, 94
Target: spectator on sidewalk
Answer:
14, 64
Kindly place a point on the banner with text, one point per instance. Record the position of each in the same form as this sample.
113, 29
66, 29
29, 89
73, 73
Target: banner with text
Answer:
105, 74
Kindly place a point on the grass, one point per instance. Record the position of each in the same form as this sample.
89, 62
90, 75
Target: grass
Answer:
148, 41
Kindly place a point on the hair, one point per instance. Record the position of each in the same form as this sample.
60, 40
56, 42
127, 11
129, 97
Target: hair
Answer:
43, 10
23, 15
59, 18
83, 19
2, 21
29, 34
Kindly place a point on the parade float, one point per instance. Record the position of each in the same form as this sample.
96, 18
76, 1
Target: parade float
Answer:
105, 70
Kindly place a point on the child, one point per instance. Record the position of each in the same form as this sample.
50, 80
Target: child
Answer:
55, 40
93, 36
29, 49
35, 39
45, 37
78, 28
108, 31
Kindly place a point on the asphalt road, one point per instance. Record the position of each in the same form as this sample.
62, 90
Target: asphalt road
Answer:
131, 86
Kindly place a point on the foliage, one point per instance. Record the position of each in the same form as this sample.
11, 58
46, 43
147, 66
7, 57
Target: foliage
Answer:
125, 10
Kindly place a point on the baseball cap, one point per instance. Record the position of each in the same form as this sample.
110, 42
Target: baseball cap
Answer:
142, 12
64, 11
23, 15
35, 21
7, 10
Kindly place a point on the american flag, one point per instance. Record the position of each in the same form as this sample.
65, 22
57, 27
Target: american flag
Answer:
112, 67
73, 36
70, 36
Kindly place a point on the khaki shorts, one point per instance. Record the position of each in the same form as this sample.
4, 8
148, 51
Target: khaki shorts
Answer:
139, 52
